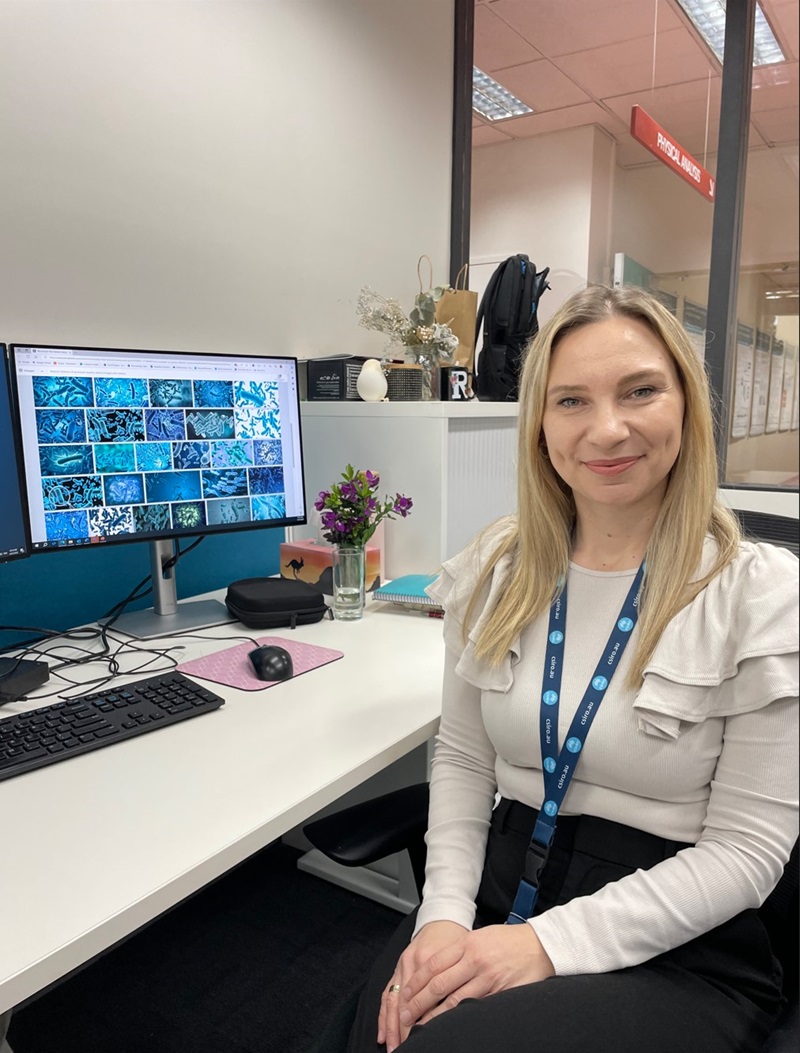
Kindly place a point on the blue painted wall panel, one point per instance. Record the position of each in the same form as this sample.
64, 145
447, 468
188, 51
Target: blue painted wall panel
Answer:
58, 590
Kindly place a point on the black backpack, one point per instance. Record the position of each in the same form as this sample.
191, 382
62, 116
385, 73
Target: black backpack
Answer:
508, 314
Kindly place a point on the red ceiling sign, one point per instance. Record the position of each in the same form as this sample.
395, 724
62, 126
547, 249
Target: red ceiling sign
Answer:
652, 136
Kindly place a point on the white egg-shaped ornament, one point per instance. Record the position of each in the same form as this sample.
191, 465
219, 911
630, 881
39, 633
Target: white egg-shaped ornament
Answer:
371, 383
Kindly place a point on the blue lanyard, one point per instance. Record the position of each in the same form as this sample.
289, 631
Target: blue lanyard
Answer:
558, 767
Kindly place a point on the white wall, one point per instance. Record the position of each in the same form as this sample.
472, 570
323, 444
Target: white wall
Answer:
214, 174
537, 196
666, 225
561, 199
661, 221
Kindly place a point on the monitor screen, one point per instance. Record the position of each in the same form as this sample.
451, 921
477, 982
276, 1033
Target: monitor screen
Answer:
13, 532
123, 445
119, 445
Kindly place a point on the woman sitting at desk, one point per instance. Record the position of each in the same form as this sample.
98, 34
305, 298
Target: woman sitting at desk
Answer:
621, 670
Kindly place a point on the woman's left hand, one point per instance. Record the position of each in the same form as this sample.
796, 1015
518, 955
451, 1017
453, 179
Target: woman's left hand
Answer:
486, 961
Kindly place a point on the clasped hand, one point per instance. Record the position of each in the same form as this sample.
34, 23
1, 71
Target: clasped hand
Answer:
446, 963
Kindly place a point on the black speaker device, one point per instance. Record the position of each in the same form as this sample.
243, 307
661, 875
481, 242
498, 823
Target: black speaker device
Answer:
18, 676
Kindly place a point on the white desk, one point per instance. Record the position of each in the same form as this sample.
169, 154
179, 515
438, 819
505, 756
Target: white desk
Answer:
95, 847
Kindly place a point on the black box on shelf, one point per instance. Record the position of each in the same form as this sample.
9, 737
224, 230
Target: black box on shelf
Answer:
333, 379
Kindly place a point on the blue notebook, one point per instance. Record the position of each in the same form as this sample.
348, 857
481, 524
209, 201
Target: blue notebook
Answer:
409, 589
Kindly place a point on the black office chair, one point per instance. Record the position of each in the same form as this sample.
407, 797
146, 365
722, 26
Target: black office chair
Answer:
369, 831
397, 821
766, 526
360, 835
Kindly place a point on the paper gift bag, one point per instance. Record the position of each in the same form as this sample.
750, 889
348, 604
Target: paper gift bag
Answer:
458, 308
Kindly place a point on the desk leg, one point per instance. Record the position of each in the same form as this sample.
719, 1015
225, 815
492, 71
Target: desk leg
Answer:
5, 1020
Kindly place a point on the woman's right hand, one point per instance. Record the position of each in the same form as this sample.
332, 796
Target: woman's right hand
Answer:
430, 939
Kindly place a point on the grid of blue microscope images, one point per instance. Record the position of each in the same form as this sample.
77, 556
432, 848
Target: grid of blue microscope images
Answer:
124, 455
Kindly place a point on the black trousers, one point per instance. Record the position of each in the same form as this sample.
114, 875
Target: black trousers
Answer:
719, 993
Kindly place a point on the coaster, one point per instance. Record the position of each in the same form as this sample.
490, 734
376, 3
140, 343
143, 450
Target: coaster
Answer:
232, 667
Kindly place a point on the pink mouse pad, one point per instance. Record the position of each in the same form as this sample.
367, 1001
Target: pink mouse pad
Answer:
232, 666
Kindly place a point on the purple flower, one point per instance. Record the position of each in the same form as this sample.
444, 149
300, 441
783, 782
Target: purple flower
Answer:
350, 511
403, 505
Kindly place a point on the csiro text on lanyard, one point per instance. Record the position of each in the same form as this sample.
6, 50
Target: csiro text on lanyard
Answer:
558, 767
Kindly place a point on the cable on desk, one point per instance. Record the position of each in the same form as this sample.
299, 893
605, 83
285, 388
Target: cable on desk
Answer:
30, 648
124, 646
103, 633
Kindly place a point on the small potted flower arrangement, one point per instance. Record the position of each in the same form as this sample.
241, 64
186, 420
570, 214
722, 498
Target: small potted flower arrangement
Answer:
349, 514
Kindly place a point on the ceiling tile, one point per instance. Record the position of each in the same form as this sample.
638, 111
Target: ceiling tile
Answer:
778, 126
603, 64
485, 134
782, 15
568, 26
497, 45
775, 87
755, 139
556, 120
618, 69
681, 110
542, 86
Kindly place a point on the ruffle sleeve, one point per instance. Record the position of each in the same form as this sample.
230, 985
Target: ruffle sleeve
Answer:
453, 590
732, 650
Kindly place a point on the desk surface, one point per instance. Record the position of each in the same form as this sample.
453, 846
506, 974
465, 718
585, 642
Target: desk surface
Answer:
95, 847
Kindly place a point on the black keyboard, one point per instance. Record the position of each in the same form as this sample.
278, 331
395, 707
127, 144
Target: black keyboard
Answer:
88, 722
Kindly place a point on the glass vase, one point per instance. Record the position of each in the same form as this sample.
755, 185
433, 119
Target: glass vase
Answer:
430, 375
349, 563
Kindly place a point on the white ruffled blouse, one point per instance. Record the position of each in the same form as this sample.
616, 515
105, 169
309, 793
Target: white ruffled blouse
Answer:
705, 752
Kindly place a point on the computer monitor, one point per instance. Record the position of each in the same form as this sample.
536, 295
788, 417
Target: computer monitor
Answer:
14, 540
134, 445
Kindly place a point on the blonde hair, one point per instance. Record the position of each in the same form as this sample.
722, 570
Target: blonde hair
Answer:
538, 539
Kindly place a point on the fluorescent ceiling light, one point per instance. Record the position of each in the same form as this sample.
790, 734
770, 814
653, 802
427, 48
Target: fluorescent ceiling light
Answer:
492, 101
709, 18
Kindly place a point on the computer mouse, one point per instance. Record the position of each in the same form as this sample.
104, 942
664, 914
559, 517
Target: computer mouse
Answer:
271, 662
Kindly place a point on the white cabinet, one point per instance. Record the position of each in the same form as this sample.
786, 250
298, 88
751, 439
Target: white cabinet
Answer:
455, 461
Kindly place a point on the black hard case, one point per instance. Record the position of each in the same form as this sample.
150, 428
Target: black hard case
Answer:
271, 603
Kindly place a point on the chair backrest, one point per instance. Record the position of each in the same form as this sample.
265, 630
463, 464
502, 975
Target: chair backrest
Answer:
767, 526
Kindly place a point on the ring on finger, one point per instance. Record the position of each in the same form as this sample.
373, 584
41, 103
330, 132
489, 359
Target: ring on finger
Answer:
394, 989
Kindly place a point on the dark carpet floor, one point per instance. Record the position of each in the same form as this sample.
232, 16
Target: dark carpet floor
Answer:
256, 963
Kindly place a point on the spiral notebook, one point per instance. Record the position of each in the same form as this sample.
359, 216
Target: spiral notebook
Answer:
409, 591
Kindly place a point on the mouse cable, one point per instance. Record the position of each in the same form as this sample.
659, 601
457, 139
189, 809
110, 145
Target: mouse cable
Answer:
167, 664
153, 654
203, 636
86, 632
91, 632
31, 647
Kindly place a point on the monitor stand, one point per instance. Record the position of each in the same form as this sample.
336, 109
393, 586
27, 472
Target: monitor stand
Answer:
167, 616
